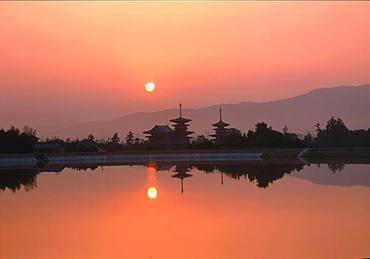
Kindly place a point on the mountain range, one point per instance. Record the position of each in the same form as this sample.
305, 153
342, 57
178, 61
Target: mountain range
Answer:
299, 114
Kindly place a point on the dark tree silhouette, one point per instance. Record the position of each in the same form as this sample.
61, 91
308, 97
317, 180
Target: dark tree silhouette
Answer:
115, 139
14, 141
233, 138
29, 131
285, 129
130, 138
202, 142
335, 134
264, 136
308, 140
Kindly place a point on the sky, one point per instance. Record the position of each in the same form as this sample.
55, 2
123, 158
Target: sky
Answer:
65, 62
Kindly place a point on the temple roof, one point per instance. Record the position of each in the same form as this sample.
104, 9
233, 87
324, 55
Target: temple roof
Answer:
185, 132
159, 129
182, 175
180, 120
220, 124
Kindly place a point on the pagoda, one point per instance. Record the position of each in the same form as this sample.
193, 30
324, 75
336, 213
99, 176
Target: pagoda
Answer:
182, 173
220, 129
181, 132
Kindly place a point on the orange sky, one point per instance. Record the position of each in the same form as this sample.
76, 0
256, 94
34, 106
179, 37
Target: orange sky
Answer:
74, 61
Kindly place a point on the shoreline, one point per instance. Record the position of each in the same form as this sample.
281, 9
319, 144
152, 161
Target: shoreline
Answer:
266, 152
304, 155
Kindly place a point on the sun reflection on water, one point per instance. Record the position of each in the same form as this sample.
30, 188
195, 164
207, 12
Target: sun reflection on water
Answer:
152, 192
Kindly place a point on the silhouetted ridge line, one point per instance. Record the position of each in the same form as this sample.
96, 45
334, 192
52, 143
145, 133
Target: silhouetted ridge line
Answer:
299, 113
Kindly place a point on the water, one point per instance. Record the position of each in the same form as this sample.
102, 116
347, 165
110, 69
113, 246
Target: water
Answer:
225, 210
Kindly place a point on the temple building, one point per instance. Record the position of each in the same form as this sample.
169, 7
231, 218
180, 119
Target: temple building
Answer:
163, 136
160, 136
220, 129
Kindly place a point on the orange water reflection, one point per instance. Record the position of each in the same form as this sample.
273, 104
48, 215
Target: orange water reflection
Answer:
106, 215
152, 191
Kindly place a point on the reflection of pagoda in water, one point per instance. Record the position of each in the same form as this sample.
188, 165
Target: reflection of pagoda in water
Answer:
181, 171
165, 136
220, 129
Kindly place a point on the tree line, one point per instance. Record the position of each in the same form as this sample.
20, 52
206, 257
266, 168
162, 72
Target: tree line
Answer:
14, 140
334, 134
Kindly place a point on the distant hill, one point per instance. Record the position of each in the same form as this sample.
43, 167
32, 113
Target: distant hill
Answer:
299, 113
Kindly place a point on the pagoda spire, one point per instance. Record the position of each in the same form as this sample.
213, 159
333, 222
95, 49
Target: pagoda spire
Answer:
220, 128
182, 186
181, 133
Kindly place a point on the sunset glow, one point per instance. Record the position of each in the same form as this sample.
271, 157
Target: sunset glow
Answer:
152, 181
150, 87
152, 192
182, 129
89, 52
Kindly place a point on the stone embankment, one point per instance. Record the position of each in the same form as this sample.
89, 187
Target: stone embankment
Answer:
134, 157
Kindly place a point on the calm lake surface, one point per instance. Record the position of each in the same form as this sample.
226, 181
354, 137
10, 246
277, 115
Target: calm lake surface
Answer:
225, 210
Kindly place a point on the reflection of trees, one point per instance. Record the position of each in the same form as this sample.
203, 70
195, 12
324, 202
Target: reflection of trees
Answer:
15, 179
205, 168
336, 166
262, 174
85, 168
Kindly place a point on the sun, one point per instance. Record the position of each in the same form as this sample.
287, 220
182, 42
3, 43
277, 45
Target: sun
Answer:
149, 87
152, 192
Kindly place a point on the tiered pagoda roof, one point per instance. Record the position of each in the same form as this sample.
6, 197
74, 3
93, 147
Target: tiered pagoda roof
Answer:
158, 129
181, 126
181, 173
220, 129
180, 119
220, 123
